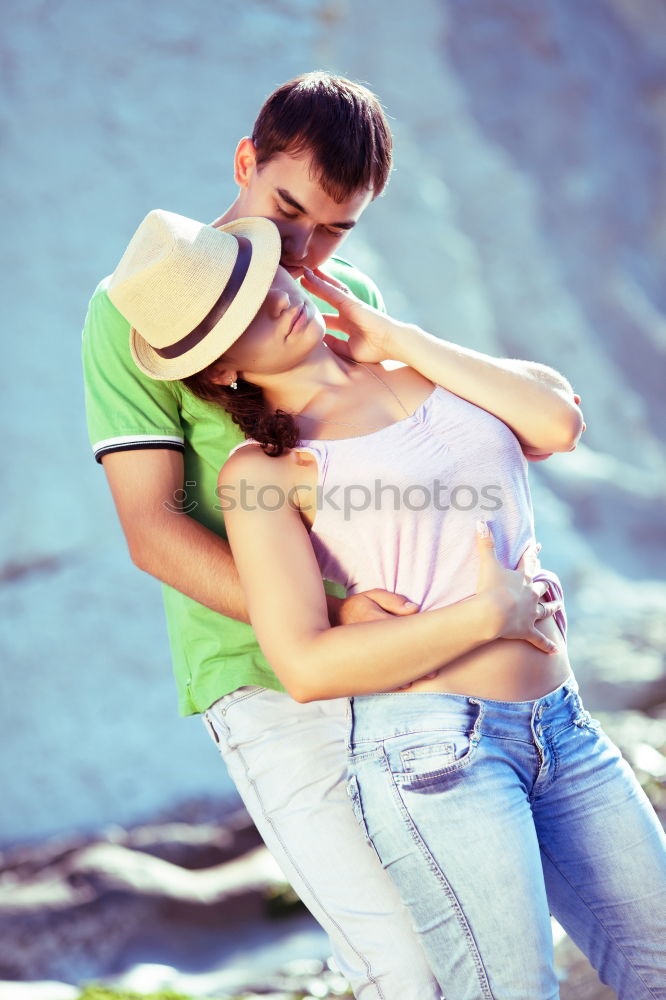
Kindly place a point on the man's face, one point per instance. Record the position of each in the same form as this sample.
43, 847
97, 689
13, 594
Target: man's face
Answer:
312, 224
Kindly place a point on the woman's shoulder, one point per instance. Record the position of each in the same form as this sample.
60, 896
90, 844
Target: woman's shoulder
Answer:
250, 463
403, 379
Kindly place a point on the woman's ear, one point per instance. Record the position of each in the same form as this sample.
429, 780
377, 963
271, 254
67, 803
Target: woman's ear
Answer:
223, 375
245, 161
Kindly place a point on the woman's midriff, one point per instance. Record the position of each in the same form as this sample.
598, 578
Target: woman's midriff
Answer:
504, 670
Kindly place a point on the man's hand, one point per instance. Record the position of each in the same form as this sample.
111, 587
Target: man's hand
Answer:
370, 606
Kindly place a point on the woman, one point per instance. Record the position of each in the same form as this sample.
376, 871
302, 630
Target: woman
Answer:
486, 789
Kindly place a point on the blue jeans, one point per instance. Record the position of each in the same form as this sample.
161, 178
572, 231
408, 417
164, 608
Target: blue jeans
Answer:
488, 815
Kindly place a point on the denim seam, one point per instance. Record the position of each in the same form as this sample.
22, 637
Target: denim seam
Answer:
242, 698
600, 922
370, 977
408, 732
374, 754
473, 950
542, 781
357, 808
542, 742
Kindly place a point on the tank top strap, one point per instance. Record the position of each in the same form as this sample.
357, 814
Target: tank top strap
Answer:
317, 449
386, 386
243, 444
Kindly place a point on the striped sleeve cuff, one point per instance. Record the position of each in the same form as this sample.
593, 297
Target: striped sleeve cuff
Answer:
134, 442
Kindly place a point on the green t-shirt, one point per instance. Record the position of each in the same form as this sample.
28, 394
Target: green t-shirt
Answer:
212, 655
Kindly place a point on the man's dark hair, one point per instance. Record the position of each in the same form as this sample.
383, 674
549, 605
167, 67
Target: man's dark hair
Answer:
342, 125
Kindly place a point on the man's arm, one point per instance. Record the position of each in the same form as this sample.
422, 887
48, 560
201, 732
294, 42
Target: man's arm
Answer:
178, 550
167, 543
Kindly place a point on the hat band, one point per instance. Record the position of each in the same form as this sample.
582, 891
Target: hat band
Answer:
211, 320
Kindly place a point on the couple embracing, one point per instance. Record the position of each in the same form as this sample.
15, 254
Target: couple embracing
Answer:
408, 738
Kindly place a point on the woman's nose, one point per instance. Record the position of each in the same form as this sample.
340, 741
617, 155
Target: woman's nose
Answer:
279, 301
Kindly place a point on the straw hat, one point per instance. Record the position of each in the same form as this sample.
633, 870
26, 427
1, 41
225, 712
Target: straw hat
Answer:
189, 290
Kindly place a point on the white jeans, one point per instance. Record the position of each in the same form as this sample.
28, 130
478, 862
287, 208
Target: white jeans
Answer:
288, 763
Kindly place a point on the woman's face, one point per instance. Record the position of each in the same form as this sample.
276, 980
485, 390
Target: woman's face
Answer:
284, 331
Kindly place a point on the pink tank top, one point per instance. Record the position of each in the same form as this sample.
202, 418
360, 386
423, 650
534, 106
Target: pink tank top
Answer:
397, 508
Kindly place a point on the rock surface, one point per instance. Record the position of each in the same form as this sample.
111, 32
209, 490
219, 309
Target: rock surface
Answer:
117, 910
525, 216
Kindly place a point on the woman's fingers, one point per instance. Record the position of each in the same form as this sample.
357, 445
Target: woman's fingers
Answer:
338, 346
329, 279
541, 642
334, 322
546, 609
484, 537
333, 292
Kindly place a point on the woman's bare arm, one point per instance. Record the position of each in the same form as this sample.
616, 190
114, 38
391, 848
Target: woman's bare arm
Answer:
166, 542
535, 401
287, 605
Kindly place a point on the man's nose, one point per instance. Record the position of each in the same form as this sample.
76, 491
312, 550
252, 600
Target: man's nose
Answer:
297, 244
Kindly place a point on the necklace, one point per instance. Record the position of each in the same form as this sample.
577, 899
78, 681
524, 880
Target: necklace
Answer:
344, 423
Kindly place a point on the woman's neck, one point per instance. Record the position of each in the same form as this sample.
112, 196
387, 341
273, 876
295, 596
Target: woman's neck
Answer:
295, 390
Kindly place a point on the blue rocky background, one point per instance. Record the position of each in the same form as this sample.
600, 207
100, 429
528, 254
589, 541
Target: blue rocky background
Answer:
526, 217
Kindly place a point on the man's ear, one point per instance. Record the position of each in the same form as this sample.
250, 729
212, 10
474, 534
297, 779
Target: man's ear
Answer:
245, 161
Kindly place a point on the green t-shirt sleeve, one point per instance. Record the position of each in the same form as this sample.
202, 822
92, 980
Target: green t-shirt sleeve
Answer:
125, 409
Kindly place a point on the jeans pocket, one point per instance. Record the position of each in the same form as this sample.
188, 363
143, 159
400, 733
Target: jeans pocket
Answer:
420, 765
208, 723
355, 798
231, 721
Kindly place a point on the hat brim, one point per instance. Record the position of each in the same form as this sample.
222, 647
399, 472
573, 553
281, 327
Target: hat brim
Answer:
266, 251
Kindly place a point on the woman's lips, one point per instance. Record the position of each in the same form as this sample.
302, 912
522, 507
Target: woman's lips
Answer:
297, 321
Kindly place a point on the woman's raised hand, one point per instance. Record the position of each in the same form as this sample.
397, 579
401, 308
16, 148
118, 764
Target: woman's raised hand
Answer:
368, 329
514, 596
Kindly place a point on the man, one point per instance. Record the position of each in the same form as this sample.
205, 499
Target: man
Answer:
320, 152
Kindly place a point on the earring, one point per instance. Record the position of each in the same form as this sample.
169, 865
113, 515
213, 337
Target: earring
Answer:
233, 385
